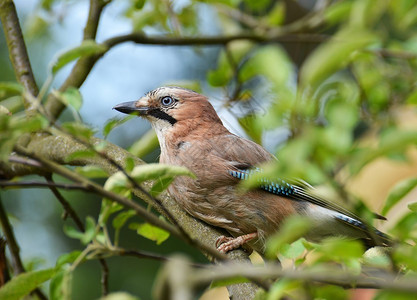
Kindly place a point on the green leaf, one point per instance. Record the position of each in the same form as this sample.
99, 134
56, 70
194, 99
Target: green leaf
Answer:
92, 171
84, 237
10, 88
78, 130
329, 292
72, 232
270, 62
113, 123
292, 229
293, 250
276, 16
412, 98
119, 296
22, 284
261, 294
122, 218
257, 6
145, 145
13, 103
334, 55
283, 287
396, 295
144, 18
129, 164
399, 191
72, 97
4, 111
150, 232
87, 48
47, 4
23, 124
67, 258
341, 249
153, 171
223, 74
406, 227
412, 206
338, 12
108, 208
61, 285
117, 183
90, 231
160, 185
406, 255
250, 126
138, 4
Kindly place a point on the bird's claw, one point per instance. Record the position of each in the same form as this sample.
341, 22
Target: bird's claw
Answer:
225, 244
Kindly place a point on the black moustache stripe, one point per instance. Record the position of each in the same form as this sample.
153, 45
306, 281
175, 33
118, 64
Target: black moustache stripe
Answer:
162, 116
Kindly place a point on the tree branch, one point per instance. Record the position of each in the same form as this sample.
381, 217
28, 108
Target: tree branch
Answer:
82, 68
14, 247
65, 204
41, 184
17, 48
384, 280
140, 38
11, 240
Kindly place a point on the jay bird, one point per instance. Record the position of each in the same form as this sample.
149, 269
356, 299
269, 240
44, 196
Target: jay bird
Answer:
191, 134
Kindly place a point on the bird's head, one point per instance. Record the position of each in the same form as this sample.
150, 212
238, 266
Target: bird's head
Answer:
168, 107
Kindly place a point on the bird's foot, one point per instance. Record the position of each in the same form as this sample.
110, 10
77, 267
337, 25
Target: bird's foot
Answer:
225, 244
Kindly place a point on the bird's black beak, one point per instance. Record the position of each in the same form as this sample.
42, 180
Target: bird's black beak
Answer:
131, 108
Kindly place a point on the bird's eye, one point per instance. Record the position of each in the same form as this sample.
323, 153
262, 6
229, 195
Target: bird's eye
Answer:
167, 101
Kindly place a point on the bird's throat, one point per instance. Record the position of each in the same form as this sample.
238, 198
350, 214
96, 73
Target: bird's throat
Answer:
159, 114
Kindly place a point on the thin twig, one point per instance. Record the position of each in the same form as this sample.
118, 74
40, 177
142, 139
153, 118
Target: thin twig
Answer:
104, 277
143, 39
25, 161
395, 54
41, 184
65, 204
4, 266
14, 247
11, 240
77, 220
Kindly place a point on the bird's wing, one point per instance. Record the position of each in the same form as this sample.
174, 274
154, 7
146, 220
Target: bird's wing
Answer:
286, 189
295, 192
237, 151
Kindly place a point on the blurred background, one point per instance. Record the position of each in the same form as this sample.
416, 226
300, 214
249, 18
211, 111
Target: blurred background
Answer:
125, 74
